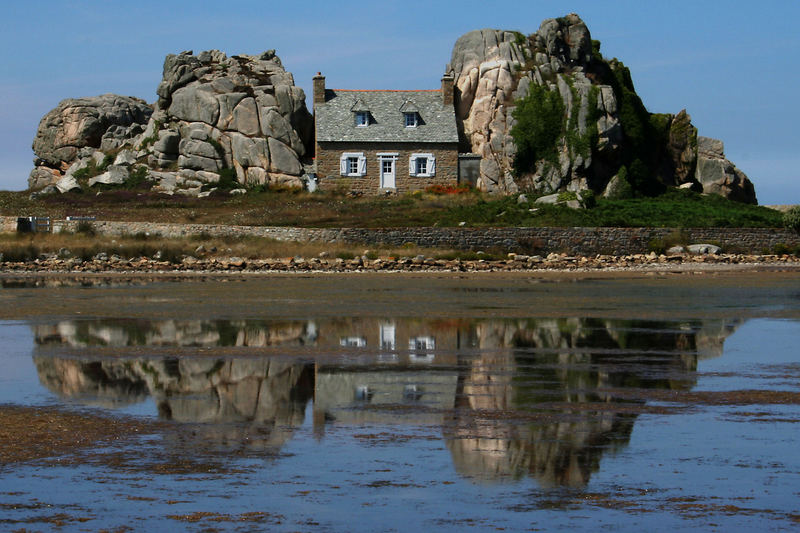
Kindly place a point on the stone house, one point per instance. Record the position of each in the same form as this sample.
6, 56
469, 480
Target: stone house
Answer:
378, 141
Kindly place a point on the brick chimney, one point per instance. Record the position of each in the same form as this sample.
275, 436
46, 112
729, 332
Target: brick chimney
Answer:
447, 89
319, 89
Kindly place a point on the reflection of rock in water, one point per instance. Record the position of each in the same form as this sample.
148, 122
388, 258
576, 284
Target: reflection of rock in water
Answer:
123, 332
502, 389
243, 400
90, 380
504, 425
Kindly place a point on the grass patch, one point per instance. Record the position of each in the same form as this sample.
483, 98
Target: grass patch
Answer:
676, 208
28, 247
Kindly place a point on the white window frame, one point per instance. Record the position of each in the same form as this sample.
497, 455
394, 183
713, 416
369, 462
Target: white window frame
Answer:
420, 349
411, 120
430, 165
362, 119
348, 160
353, 342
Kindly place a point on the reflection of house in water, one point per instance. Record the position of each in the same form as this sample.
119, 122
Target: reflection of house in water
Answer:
514, 398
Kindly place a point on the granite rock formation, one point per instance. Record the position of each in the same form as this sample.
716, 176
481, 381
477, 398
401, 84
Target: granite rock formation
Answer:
606, 133
717, 175
78, 127
223, 121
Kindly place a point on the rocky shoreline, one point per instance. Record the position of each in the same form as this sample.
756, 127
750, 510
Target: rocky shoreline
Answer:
513, 263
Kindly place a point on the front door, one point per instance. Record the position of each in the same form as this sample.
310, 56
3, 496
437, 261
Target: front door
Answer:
387, 173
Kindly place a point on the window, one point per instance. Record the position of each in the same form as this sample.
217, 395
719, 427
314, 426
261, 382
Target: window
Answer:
421, 349
412, 393
422, 343
353, 342
362, 119
422, 165
353, 164
363, 393
410, 120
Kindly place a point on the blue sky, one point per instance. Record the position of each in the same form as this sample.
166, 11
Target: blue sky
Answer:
735, 69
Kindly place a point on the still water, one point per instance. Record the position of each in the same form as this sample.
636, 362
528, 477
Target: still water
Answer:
411, 403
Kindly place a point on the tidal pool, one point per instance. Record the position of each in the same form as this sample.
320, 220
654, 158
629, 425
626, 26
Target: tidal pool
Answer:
401, 403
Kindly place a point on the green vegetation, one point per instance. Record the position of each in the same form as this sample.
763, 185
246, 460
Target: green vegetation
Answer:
540, 123
86, 228
149, 141
791, 219
645, 135
582, 144
137, 178
676, 208
227, 181
596, 55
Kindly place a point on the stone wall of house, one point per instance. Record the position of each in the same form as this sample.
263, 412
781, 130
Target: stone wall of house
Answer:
575, 241
328, 155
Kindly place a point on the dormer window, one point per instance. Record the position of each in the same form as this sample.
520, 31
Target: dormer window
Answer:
410, 113
360, 111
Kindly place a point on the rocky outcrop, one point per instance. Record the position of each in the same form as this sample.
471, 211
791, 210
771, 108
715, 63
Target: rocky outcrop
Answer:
240, 117
78, 127
79, 123
717, 175
682, 150
242, 113
494, 70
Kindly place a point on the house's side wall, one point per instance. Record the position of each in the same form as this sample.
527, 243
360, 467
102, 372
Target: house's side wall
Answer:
328, 154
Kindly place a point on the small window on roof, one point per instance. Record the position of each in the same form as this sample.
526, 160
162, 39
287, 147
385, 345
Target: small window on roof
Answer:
362, 119
410, 119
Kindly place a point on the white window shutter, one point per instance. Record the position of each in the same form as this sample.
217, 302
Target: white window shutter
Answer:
412, 166
343, 165
431, 165
362, 165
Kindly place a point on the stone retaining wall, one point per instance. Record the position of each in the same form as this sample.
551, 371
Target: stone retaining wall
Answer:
574, 241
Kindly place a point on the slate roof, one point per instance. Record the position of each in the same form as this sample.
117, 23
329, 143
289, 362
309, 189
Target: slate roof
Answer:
336, 121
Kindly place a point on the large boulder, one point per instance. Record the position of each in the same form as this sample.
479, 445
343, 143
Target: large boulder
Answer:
240, 112
717, 175
82, 122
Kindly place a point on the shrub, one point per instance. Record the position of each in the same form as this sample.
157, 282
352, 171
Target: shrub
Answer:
587, 198
566, 196
791, 219
540, 121
227, 180
86, 228
645, 134
137, 178
781, 249
108, 160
